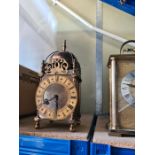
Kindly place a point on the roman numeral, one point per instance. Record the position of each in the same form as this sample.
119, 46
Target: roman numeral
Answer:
63, 114
70, 106
48, 81
38, 96
41, 87
73, 97
49, 114
71, 88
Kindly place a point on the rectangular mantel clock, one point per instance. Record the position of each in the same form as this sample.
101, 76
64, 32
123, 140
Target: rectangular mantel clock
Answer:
122, 93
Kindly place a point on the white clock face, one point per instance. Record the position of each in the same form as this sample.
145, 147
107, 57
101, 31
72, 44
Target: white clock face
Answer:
128, 88
56, 97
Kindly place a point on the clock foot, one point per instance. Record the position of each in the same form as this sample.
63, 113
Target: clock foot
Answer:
72, 128
76, 116
37, 122
37, 125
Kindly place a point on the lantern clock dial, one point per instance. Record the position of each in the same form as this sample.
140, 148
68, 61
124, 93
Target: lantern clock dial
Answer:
56, 97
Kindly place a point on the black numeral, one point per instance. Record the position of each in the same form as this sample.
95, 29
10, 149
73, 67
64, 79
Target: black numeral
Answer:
70, 106
73, 97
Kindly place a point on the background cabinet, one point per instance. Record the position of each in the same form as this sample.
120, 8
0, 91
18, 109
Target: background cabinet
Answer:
128, 6
29, 145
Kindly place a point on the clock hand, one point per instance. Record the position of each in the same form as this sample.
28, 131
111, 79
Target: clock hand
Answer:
130, 85
55, 98
128, 105
46, 101
56, 103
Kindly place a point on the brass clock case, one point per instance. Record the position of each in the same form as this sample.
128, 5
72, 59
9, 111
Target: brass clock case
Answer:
122, 92
58, 93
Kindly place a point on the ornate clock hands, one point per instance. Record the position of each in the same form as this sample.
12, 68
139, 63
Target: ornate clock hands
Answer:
55, 98
56, 104
46, 101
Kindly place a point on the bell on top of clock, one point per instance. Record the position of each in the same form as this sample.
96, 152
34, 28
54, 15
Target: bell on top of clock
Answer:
58, 93
122, 90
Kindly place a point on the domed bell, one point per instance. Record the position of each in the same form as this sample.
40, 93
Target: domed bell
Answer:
62, 62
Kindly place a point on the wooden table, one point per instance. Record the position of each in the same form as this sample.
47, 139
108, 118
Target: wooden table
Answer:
101, 136
59, 130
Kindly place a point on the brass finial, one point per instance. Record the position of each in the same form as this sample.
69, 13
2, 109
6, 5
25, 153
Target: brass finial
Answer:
65, 45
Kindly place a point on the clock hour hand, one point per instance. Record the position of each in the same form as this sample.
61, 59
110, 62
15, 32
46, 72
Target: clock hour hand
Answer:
55, 98
56, 103
46, 101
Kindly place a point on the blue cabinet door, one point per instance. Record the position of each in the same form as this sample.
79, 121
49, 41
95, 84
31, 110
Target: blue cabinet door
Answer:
128, 6
33, 145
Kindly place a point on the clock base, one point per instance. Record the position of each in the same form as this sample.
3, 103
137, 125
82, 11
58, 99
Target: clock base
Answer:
122, 133
74, 122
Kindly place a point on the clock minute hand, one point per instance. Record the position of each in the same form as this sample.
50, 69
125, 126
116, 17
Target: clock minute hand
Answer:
130, 85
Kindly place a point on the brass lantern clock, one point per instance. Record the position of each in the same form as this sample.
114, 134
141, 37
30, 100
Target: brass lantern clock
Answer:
122, 93
58, 93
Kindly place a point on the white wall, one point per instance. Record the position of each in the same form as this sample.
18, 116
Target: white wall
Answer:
37, 32
81, 41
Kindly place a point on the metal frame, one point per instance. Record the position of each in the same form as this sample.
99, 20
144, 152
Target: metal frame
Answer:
113, 99
99, 59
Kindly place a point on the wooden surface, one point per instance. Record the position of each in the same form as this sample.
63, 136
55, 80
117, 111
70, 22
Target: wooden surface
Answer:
60, 130
101, 136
